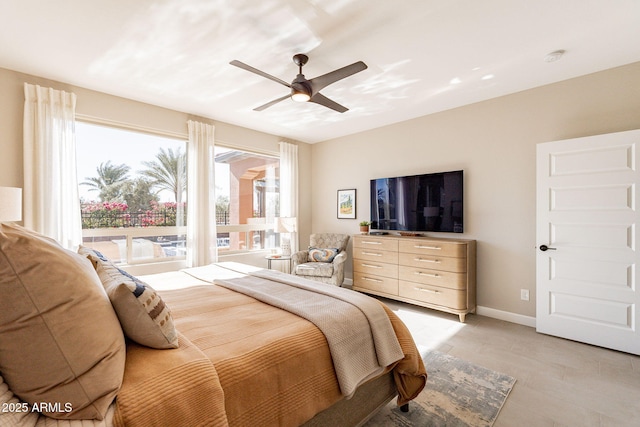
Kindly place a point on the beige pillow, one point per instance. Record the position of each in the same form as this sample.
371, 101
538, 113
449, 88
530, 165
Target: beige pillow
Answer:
60, 340
142, 313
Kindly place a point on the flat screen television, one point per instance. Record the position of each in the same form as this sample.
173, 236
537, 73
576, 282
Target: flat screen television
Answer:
427, 202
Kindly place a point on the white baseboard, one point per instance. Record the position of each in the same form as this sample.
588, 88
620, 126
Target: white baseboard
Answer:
486, 311
507, 316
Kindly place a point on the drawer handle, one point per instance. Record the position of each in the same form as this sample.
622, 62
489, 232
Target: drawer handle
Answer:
420, 273
426, 290
371, 253
369, 279
371, 243
436, 248
435, 261
371, 266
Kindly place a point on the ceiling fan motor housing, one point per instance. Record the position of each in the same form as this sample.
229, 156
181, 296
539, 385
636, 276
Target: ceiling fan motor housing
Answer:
300, 89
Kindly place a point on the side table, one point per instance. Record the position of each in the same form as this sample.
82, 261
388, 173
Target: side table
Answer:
270, 258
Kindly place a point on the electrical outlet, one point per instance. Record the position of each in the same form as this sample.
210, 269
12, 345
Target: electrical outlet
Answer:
524, 294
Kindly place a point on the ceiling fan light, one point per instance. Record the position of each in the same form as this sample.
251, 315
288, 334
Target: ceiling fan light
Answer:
300, 92
300, 96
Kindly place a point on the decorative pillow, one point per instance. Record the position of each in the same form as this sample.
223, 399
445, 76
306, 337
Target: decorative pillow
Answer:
61, 345
142, 313
322, 255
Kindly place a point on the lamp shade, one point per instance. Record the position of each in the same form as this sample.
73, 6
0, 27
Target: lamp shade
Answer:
10, 204
286, 225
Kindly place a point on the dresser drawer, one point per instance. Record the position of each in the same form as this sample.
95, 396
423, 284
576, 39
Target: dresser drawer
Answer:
378, 243
451, 298
434, 247
376, 268
376, 255
446, 279
371, 282
434, 262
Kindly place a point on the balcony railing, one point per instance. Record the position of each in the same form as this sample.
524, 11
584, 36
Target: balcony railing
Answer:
149, 237
103, 218
138, 245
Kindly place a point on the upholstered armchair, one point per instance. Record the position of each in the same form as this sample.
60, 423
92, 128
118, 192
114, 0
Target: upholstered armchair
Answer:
324, 261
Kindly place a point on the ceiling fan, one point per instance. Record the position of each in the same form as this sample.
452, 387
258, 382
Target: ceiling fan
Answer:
303, 89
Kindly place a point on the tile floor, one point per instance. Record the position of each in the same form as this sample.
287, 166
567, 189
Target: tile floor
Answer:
559, 382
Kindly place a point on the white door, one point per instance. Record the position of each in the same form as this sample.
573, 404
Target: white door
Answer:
588, 220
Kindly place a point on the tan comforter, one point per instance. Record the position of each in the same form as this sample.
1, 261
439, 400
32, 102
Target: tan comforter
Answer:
361, 339
169, 387
241, 362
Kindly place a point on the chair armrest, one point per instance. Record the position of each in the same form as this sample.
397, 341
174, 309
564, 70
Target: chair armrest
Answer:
300, 257
340, 258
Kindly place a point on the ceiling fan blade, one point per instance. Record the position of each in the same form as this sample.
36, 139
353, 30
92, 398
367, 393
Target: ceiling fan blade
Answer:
318, 83
269, 104
258, 72
318, 98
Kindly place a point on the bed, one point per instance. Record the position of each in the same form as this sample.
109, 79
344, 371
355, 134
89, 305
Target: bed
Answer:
235, 353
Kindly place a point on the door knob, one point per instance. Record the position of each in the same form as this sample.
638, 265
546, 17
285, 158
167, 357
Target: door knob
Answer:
545, 248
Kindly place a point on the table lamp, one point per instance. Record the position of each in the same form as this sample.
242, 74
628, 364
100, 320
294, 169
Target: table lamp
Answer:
284, 226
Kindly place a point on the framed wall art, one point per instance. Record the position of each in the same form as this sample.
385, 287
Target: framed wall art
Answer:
347, 204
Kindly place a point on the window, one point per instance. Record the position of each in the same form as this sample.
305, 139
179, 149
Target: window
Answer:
132, 189
247, 200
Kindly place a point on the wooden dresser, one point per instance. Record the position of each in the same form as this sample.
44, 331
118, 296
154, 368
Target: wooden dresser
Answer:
431, 272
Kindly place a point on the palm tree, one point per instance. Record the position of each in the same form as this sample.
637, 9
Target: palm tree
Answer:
168, 171
138, 195
109, 181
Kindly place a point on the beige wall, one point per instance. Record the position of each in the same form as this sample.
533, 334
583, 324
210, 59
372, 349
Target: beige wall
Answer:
494, 142
126, 112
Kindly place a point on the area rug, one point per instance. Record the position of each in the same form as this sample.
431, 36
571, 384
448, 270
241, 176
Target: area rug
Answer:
458, 394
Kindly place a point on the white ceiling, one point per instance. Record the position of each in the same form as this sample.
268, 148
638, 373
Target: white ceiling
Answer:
176, 53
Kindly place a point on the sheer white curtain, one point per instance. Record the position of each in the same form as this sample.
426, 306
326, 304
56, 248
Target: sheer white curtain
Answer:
51, 201
289, 185
201, 207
